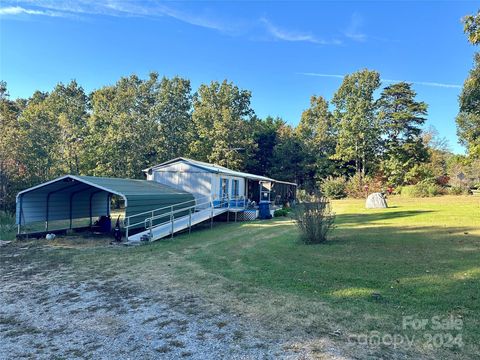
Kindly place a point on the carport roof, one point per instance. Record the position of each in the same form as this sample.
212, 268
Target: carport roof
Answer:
118, 186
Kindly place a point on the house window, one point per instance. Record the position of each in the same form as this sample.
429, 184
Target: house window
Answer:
223, 188
235, 188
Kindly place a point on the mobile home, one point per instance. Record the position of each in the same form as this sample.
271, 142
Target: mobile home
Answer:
209, 180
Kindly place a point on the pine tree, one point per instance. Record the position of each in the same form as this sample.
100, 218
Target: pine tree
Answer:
401, 118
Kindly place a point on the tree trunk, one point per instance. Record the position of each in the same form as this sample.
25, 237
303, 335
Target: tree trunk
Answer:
357, 160
363, 164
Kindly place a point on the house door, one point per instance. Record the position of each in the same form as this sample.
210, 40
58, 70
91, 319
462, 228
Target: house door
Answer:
223, 188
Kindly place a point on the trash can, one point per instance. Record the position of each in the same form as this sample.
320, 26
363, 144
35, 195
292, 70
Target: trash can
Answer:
264, 210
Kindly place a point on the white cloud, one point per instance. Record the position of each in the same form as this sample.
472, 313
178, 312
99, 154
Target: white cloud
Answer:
115, 8
288, 35
321, 75
423, 83
353, 31
17, 10
426, 83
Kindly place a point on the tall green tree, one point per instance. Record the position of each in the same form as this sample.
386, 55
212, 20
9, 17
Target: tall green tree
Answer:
222, 116
288, 157
172, 111
12, 170
357, 125
68, 106
468, 119
52, 127
401, 118
265, 136
471, 27
40, 135
318, 133
122, 130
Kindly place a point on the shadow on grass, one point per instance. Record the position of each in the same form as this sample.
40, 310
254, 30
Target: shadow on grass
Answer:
363, 218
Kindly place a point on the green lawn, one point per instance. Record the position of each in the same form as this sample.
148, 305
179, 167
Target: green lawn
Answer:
421, 256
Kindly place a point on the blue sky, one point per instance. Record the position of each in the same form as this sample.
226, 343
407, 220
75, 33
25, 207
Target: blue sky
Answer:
283, 52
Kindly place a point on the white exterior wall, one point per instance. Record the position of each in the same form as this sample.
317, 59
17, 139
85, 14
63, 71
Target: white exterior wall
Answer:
216, 184
184, 177
194, 180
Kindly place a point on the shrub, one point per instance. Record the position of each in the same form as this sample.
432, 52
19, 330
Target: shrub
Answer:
419, 173
334, 188
422, 189
458, 190
280, 212
302, 195
442, 180
315, 220
356, 186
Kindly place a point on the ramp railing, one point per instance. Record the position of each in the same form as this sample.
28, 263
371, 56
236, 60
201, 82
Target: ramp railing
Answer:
167, 214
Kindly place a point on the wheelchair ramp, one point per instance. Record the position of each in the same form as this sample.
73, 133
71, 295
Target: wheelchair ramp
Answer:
178, 224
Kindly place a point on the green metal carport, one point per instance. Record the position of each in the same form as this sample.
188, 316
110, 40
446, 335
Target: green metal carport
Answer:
73, 197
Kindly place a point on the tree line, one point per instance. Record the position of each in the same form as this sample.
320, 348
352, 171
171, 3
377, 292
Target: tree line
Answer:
365, 131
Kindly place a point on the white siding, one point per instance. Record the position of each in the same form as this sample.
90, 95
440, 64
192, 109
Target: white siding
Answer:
194, 180
216, 184
184, 177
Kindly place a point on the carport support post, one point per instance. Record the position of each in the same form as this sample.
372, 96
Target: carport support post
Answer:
19, 229
90, 209
46, 214
211, 215
171, 218
108, 204
71, 210
189, 220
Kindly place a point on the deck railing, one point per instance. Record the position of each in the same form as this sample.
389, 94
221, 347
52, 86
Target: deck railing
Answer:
202, 203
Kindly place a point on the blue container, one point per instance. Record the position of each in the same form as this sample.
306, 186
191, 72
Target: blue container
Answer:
264, 210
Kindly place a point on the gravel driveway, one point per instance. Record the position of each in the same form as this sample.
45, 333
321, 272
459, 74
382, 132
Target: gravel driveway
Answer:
48, 312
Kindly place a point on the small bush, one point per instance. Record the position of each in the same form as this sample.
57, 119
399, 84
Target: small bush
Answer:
334, 188
422, 189
302, 195
280, 212
315, 220
458, 190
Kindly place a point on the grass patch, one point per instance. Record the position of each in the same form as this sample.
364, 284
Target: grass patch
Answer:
419, 257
